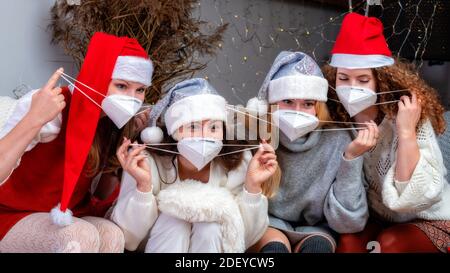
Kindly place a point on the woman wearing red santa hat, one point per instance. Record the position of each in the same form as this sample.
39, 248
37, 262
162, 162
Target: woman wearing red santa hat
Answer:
408, 195
70, 148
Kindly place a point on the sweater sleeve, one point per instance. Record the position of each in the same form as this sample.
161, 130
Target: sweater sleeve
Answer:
346, 208
426, 186
253, 207
13, 111
254, 210
135, 212
47, 133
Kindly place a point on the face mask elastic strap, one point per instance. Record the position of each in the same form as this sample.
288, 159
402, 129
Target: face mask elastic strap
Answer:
173, 152
239, 151
393, 91
143, 111
154, 144
250, 115
174, 144
240, 145
386, 102
81, 92
334, 100
343, 122
162, 150
379, 93
339, 129
323, 121
88, 87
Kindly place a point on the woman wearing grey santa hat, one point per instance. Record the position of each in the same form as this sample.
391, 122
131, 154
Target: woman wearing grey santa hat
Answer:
191, 193
322, 186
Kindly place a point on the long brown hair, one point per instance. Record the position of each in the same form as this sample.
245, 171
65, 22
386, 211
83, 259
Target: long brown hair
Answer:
401, 75
107, 139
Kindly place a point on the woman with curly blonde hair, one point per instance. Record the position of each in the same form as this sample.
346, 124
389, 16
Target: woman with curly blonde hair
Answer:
409, 198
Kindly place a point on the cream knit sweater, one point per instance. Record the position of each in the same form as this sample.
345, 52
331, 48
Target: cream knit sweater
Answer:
136, 212
425, 196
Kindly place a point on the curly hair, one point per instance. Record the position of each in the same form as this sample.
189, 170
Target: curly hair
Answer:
401, 75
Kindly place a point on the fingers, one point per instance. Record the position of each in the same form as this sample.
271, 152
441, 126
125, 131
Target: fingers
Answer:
62, 105
57, 90
267, 157
414, 99
135, 160
60, 98
370, 133
406, 101
53, 79
131, 155
122, 151
267, 147
375, 133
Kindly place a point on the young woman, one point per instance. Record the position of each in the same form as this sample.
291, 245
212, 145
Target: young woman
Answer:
408, 195
63, 158
203, 195
322, 188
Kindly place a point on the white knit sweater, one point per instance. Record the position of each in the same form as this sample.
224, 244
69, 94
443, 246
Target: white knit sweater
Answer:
425, 196
136, 212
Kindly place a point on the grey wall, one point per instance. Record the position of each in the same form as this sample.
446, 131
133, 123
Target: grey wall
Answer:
237, 71
26, 54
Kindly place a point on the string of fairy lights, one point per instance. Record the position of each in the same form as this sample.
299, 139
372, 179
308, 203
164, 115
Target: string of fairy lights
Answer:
259, 29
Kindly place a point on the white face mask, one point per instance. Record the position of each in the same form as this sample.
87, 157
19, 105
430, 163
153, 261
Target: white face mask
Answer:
356, 99
120, 108
199, 151
295, 124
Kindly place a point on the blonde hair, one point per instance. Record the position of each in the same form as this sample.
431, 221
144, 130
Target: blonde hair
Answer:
272, 185
322, 113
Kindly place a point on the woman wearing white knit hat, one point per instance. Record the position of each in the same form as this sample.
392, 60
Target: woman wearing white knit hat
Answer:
322, 188
191, 193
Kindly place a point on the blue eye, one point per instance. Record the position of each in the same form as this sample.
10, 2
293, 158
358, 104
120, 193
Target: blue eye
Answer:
121, 86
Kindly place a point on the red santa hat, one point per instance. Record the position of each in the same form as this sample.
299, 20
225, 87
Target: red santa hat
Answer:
107, 57
361, 44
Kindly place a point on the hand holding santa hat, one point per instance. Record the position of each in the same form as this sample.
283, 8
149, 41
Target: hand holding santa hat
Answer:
108, 57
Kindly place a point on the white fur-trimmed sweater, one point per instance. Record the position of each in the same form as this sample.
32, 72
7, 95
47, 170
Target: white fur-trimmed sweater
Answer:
425, 196
245, 213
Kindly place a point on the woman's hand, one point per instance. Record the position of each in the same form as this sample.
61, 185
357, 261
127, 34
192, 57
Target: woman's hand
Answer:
261, 167
408, 154
366, 139
135, 163
408, 116
48, 102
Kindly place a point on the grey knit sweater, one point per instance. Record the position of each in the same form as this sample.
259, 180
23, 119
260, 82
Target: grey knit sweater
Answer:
318, 185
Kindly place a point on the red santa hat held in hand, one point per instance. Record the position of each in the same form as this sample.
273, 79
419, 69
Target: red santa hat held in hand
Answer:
108, 57
361, 44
